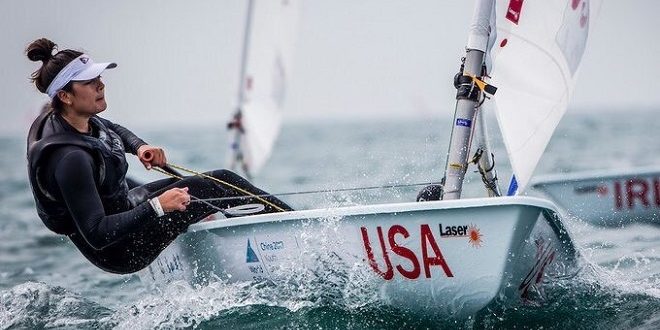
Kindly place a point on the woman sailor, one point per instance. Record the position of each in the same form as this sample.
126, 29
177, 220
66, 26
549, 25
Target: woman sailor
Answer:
77, 170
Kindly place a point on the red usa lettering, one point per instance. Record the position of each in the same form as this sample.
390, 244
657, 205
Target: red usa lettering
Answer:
398, 238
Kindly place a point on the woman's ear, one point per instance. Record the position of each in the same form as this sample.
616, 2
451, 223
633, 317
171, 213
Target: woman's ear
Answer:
65, 97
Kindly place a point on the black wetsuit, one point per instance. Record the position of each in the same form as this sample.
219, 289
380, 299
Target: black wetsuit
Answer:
124, 235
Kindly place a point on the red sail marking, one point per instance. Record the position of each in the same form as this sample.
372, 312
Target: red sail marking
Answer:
575, 3
514, 11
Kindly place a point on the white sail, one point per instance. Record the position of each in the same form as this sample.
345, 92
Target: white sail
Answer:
265, 78
536, 55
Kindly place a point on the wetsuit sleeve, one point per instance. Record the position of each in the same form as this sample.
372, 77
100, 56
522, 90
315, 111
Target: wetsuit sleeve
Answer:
130, 140
75, 177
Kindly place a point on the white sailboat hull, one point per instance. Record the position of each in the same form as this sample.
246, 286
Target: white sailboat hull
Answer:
445, 257
612, 198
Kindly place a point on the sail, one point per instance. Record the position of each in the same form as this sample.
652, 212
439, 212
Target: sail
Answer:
267, 60
535, 57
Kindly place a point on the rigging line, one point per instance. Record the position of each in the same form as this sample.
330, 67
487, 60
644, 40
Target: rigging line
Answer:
197, 199
241, 190
324, 191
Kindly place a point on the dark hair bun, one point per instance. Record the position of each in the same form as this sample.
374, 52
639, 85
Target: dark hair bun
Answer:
40, 50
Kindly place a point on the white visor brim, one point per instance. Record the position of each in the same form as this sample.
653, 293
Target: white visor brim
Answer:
93, 71
80, 69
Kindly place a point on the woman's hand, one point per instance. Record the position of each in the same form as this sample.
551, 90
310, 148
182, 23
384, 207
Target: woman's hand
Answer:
151, 156
175, 199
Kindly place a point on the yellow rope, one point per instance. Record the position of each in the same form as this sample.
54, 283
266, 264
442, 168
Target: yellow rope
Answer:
158, 169
219, 181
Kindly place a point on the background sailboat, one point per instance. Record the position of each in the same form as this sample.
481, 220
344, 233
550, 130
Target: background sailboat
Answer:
447, 257
266, 64
606, 198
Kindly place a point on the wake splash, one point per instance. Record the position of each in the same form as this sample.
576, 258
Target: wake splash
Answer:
596, 298
37, 305
333, 283
585, 301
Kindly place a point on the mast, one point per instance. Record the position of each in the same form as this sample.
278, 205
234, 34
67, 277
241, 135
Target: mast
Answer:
236, 123
467, 101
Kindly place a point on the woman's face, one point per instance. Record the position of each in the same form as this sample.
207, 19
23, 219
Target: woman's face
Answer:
88, 97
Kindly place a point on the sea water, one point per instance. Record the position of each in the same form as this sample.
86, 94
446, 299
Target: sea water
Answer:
46, 283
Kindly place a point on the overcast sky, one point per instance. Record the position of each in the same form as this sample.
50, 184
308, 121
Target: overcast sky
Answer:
179, 60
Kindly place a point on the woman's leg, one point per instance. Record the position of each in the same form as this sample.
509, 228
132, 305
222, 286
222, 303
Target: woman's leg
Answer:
139, 249
239, 191
228, 188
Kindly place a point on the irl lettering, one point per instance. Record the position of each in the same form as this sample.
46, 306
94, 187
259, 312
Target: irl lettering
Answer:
632, 192
397, 238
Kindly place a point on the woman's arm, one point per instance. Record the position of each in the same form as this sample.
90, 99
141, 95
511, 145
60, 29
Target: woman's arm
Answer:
131, 141
148, 155
74, 175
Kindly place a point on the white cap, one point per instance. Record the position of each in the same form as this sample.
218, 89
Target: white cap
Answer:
80, 69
